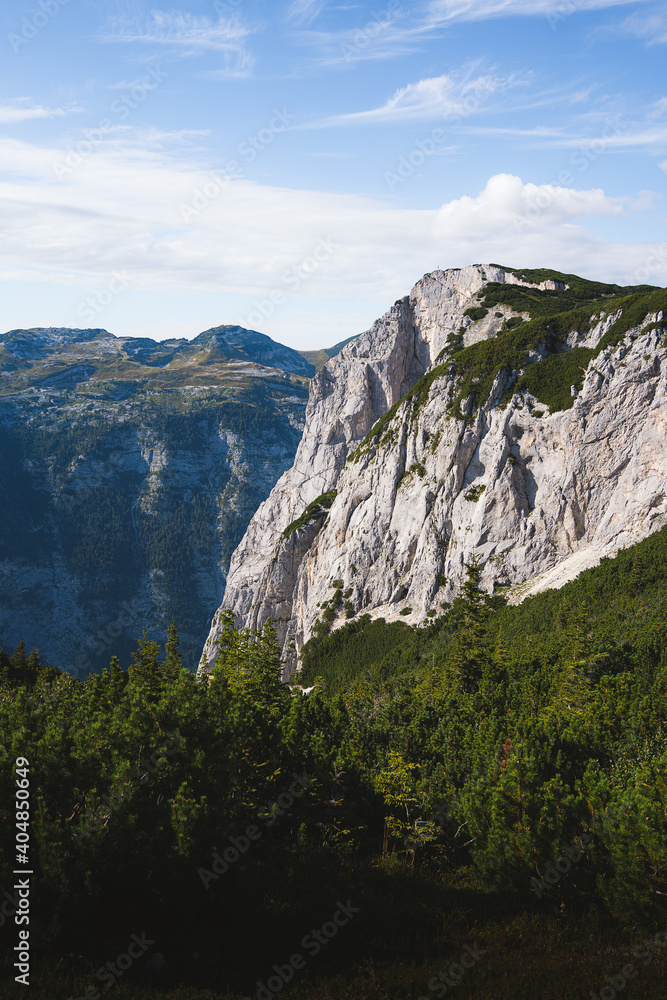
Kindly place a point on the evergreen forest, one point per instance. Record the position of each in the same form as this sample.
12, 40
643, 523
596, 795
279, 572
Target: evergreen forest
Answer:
489, 787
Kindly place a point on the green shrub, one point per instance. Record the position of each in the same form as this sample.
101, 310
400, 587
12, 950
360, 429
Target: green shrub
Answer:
316, 509
474, 493
476, 313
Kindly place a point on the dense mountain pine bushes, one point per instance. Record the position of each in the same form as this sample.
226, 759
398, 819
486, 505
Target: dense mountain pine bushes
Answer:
435, 777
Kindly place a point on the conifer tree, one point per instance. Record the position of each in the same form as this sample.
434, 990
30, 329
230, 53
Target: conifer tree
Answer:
172, 664
146, 669
470, 649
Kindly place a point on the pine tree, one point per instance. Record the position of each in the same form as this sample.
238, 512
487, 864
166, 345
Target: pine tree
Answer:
117, 680
469, 651
265, 668
172, 664
146, 669
19, 664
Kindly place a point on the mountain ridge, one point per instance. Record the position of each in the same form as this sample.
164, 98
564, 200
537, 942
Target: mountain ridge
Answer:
129, 469
450, 408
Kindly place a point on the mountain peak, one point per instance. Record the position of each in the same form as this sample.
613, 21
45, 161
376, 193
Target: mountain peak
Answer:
227, 342
480, 417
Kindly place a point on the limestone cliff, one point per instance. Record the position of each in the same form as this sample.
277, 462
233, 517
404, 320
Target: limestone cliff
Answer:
518, 417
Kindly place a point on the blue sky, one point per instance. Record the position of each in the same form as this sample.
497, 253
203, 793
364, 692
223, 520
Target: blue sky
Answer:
296, 166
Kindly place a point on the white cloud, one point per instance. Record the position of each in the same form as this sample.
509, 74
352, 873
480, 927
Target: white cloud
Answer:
21, 111
237, 66
658, 109
182, 30
614, 133
506, 202
121, 209
305, 11
437, 97
445, 11
385, 35
663, 165
652, 27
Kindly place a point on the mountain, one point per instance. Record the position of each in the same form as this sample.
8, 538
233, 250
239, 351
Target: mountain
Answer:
517, 417
320, 358
129, 469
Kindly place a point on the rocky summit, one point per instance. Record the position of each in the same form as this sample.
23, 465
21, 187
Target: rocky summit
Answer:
129, 469
515, 417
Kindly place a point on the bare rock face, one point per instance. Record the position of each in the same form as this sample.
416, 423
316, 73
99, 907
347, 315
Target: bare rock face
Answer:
536, 496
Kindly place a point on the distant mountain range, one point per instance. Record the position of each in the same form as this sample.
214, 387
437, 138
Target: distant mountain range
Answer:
129, 469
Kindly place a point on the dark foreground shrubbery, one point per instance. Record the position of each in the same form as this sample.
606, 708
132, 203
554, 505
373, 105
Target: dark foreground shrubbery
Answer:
498, 777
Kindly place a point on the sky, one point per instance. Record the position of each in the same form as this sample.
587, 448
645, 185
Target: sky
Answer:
296, 166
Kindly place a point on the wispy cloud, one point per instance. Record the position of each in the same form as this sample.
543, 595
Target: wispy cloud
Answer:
435, 97
305, 11
388, 33
649, 26
445, 11
187, 32
238, 65
613, 133
22, 111
659, 109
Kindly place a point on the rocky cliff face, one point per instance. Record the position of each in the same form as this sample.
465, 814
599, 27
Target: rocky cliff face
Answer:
515, 417
129, 470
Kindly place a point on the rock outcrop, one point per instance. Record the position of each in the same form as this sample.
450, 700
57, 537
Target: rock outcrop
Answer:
431, 454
